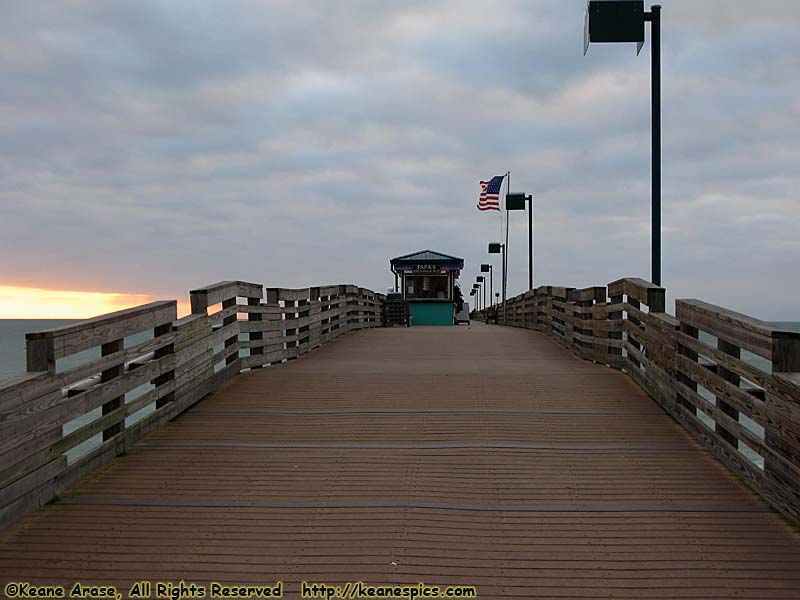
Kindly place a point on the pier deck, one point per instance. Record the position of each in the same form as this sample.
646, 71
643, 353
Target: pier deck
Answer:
481, 456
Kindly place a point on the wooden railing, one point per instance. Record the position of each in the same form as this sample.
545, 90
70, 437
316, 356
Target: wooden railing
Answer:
95, 387
732, 381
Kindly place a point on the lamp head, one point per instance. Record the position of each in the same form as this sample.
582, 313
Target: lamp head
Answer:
611, 21
515, 201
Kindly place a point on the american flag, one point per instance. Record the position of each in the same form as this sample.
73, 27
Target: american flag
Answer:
490, 193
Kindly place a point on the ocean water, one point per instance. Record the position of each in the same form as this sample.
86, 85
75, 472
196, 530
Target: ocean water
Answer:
12, 341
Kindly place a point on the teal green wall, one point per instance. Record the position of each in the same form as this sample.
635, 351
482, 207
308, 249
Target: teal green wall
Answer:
433, 313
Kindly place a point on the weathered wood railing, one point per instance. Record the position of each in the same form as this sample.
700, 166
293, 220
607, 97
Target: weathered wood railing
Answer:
140, 367
732, 381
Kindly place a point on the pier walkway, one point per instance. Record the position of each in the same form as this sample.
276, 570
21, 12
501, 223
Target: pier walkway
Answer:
481, 456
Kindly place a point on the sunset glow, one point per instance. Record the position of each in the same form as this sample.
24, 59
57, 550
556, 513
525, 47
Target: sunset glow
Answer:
38, 303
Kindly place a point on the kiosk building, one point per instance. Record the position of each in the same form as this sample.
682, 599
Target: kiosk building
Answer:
426, 280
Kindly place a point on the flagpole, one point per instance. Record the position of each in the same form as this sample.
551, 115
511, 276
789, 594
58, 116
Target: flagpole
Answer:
505, 254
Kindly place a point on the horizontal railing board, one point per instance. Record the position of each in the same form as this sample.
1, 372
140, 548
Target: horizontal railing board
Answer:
594, 294
80, 435
25, 484
218, 318
640, 290
45, 347
21, 390
762, 412
211, 295
734, 426
745, 332
70, 408
288, 295
95, 367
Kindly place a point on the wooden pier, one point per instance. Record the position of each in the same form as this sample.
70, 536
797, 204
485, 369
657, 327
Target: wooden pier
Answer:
599, 448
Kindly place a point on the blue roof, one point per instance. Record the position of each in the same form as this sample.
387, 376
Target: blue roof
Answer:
427, 256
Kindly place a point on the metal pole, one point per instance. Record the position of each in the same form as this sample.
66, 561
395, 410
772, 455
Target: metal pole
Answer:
491, 285
530, 242
505, 251
656, 79
483, 285
503, 303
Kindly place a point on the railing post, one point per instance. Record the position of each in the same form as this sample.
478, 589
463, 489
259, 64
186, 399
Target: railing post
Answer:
657, 300
228, 303
273, 300
314, 314
616, 299
785, 360
109, 375
159, 331
692, 332
301, 330
290, 326
40, 354
733, 378
785, 352
199, 301
598, 314
633, 323
342, 304
569, 320
255, 336
548, 311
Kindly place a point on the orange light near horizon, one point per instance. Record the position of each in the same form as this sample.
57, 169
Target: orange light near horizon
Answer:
18, 302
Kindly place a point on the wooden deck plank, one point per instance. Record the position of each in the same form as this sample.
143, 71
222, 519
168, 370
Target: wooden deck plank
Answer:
578, 485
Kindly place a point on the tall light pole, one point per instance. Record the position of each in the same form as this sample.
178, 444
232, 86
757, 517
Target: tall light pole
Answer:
482, 281
609, 21
517, 202
495, 248
487, 268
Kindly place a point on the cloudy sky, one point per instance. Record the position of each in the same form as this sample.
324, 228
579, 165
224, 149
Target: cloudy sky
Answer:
151, 147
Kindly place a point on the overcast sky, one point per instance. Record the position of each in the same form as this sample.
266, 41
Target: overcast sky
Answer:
151, 147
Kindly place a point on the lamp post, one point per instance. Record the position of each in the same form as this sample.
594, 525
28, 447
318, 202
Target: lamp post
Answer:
482, 281
610, 21
488, 269
517, 202
495, 248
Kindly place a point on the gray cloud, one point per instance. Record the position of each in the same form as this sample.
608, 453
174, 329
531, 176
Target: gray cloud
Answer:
155, 146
